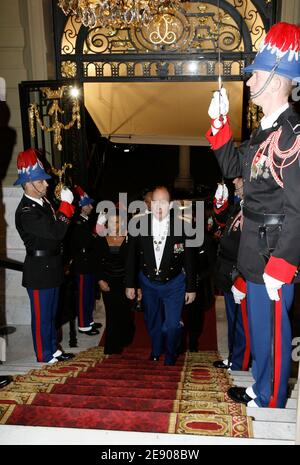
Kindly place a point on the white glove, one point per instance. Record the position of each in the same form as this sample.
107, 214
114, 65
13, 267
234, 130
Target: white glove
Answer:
66, 195
272, 285
221, 195
219, 104
237, 295
101, 218
100, 228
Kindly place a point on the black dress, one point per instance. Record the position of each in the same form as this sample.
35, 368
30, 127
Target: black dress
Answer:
120, 329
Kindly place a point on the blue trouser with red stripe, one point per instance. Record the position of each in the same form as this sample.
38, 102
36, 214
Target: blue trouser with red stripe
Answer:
43, 304
238, 337
271, 390
86, 284
163, 305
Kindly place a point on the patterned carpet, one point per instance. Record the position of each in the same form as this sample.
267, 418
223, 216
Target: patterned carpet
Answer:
127, 393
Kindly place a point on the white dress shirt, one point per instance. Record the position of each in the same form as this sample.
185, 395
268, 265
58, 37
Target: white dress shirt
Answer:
160, 231
268, 121
39, 201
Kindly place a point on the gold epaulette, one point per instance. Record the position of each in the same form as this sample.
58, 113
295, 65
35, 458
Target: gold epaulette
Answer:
26, 209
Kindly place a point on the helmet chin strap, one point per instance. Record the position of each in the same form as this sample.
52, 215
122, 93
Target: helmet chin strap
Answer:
41, 193
268, 81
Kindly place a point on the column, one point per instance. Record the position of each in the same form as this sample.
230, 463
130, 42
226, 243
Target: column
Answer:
290, 11
298, 412
184, 180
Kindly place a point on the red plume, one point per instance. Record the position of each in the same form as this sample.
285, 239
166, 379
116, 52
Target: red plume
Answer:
78, 190
26, 159
284, 36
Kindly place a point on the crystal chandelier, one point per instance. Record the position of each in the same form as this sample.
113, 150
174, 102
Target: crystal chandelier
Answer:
117, 14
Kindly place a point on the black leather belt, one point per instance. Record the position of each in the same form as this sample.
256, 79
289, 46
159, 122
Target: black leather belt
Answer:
44, 253
265, 219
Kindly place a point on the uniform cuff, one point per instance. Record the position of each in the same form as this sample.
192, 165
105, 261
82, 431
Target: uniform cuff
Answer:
280, 269
240, 285
67, 209
221, 138
220, 209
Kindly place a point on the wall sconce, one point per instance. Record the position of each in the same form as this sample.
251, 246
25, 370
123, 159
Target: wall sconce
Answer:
54, 111
61, 176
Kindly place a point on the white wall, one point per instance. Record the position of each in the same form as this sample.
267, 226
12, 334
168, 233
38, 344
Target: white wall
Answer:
23, 56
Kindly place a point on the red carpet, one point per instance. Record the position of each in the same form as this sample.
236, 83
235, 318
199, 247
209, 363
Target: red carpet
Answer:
207, 339
127, 393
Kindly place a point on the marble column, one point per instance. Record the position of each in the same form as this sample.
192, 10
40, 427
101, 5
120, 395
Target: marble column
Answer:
290, 11
298, 412
184, 180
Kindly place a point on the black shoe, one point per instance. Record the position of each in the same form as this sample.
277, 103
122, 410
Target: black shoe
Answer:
193, 349
97, 325
154, 358
73, 344
64, 357
90, 332
5, 380
239, 395
221, 364
170, 360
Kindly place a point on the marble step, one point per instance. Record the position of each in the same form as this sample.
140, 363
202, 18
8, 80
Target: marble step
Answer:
282, 431
273, 415
291, 404
12, 372
35, 435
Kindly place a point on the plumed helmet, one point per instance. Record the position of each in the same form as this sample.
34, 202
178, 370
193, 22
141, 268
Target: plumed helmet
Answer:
279, 52
84, 199
30, 168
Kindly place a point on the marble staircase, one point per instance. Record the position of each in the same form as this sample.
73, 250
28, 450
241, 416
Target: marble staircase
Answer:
270, 426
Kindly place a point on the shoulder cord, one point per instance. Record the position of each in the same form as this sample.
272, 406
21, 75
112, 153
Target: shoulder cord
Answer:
272, 143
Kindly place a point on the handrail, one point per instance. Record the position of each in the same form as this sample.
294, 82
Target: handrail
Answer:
11, 265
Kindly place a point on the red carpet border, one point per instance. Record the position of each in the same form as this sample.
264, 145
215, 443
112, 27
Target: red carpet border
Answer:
127, 393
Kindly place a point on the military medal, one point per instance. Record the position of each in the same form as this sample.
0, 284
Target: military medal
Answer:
258, 164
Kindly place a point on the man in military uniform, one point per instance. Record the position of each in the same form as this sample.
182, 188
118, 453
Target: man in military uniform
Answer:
161, 267
269, 252
42, 231
226, 275
84, 259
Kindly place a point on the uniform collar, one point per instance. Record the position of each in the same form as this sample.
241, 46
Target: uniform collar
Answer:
39, 201
268, 121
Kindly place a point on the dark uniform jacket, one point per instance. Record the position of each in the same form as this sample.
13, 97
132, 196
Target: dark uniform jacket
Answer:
177, 257
41, 230
83, 247
262, 194
111, 265
226, 264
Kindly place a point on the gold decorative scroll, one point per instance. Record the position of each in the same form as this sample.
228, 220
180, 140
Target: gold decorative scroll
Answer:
53, 112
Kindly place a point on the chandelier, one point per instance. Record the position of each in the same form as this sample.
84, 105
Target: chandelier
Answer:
117, 14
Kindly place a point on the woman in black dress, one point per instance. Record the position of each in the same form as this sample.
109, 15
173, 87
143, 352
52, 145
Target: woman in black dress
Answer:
112, 250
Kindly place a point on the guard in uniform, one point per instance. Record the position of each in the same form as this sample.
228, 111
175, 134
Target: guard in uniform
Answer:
42, 231
269, 252
161, 267
227, 275
84, 253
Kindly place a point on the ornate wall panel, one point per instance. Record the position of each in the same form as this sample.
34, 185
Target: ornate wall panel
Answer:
188, 44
